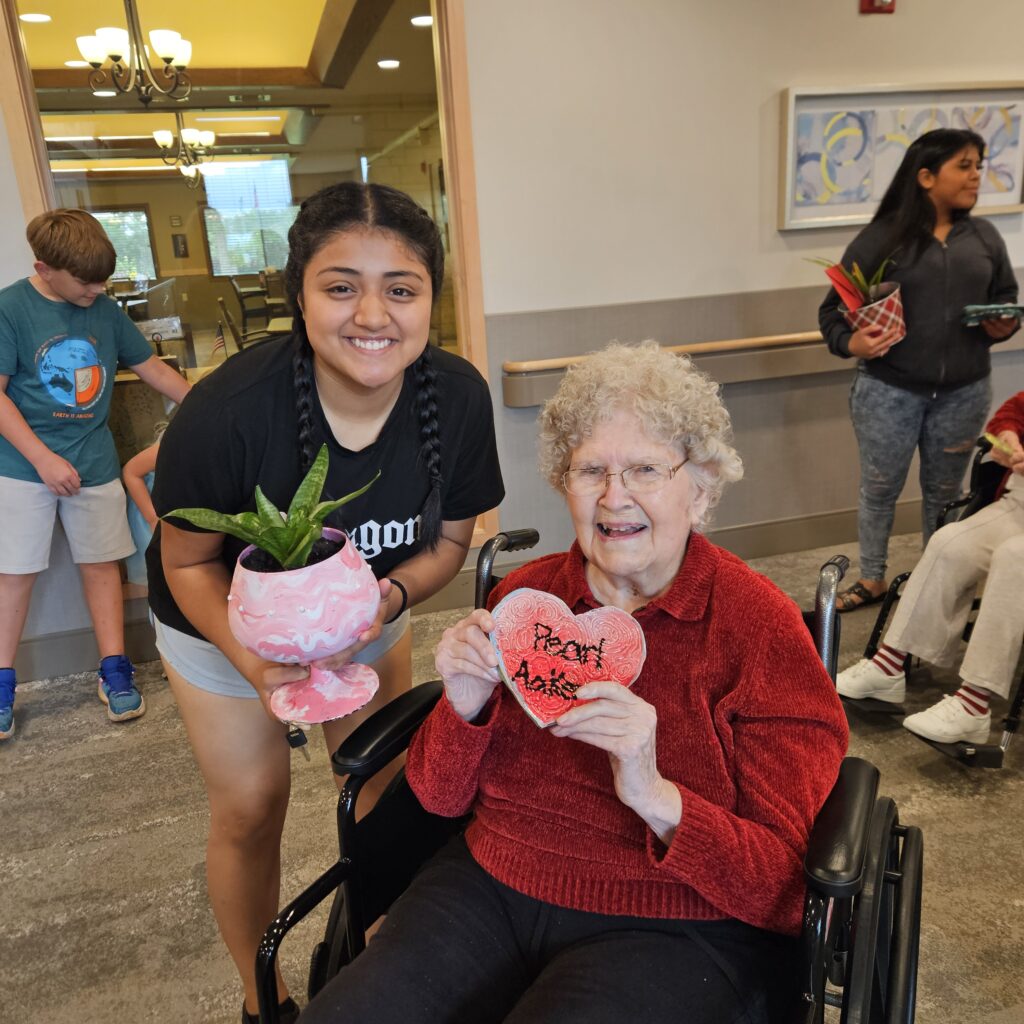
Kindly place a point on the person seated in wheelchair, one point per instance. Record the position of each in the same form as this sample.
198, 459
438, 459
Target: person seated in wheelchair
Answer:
936, 603
641, 857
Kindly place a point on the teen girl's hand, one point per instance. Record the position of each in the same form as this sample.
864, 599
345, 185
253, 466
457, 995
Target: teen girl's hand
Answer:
58, 474
1014, 462
468, 664
386, 611
999, 327
624, 725
873, 342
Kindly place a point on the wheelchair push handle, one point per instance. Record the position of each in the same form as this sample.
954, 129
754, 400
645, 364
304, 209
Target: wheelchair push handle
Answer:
841, 562
509, 540
517, 540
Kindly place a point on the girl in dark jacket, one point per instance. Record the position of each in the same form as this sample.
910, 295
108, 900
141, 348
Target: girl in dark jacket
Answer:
931, 390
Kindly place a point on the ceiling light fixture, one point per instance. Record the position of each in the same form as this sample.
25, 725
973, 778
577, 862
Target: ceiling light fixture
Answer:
76, 63
130, 70
267, 117
422, 21
193, 148
68, 138
387, 65
35, 19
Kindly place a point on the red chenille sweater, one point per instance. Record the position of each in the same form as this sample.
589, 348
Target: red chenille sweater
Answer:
749, 728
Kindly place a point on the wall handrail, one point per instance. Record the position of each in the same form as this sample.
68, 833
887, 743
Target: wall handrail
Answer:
694, 348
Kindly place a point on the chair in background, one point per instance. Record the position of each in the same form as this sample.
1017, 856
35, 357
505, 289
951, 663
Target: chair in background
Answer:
241, 338
863, 868
252, 300
272, 281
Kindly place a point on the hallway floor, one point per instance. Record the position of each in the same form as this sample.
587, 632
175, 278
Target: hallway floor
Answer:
105, 914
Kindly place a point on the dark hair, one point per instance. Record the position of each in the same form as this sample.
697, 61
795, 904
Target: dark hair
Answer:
906, 203
343, 207
72, 240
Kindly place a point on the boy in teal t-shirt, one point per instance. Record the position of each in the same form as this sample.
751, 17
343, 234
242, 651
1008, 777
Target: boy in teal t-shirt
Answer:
61, 339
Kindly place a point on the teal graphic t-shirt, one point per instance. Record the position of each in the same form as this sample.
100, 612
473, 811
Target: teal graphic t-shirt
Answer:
61, 360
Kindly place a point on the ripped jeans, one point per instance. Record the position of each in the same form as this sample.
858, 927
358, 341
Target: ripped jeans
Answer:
890, 422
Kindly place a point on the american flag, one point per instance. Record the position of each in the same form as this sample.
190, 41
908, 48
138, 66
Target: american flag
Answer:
218, 340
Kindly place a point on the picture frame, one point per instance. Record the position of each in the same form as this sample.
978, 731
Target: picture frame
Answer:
840, 147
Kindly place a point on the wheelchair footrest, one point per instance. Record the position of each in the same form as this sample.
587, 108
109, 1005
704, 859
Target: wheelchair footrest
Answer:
974, 755
871, 706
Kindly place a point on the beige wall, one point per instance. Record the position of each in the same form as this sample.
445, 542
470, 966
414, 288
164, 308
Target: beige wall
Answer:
629, 151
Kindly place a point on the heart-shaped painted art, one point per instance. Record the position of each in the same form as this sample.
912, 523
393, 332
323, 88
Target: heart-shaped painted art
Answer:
546, 653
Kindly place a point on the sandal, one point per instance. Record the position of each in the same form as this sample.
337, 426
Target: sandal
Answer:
857, 596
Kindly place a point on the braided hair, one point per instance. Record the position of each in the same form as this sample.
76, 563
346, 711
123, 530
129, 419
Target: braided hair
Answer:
338, 208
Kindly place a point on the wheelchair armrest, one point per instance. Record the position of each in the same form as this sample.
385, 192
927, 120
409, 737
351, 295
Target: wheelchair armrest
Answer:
835, 853
386, 733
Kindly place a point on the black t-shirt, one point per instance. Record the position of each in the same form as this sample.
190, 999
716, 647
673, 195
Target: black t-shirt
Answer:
237, 428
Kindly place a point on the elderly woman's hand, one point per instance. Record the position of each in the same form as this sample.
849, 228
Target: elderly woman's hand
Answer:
468, 664
1014, 461
621, 723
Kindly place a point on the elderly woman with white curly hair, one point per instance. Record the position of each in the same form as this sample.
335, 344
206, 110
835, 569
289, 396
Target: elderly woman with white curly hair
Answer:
641, 858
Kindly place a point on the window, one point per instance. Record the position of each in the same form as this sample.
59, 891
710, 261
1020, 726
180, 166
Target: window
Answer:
249, 213
128, 230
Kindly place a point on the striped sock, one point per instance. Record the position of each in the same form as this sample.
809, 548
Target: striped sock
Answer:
974, 699
889, 660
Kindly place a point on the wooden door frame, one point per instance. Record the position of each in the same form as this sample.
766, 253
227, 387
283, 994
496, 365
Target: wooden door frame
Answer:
452, 69
21, 119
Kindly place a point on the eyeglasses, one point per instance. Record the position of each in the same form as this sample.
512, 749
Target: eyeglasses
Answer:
645, 479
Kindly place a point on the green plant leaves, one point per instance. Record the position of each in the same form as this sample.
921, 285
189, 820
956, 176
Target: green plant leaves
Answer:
288, 538
868, 289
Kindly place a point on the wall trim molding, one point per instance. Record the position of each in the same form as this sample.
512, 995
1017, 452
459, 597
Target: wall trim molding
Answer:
801, 533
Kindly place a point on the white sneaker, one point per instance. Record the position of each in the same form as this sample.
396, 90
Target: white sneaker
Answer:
949, 722
866, 679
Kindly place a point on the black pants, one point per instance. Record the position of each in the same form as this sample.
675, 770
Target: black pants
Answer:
461, 948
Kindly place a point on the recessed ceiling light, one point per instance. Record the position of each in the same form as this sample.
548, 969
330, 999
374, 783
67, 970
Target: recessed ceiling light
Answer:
387, 65
275, 117
422, 21
121, 138
76, 63
102, 93
68, 138
37, 19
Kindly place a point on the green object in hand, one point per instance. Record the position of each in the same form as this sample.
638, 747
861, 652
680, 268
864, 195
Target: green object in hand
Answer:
973, 315
1000, 446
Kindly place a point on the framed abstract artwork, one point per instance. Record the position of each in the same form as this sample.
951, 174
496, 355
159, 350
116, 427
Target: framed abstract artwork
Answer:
840, 148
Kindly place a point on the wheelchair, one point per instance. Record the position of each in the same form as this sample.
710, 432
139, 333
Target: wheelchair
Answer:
983, 486
861, 923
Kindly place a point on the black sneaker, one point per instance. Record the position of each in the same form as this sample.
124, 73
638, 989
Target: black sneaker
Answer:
287, 1013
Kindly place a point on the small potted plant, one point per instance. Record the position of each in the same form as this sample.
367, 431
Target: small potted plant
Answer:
300, 592
866, 303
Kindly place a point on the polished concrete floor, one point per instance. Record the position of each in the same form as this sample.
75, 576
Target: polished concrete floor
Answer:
102, 833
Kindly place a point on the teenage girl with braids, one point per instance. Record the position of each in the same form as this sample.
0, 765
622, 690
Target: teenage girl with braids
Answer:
364, 267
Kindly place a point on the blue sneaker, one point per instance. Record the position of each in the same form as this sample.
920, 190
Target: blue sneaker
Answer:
117, 689
7, 685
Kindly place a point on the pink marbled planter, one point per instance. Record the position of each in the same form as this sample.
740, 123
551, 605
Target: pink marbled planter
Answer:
302, 615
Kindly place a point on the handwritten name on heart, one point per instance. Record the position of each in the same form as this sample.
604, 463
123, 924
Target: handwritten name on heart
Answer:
546, 653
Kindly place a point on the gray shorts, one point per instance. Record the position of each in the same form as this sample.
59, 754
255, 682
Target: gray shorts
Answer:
204, 666
95, 521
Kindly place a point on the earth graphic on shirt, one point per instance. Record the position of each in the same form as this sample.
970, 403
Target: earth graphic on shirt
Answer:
71, 372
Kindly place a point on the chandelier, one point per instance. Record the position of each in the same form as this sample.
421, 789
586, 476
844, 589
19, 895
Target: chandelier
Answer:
130, 70
193, 148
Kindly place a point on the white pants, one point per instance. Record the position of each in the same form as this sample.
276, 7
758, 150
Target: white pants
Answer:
937, 599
